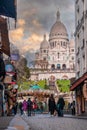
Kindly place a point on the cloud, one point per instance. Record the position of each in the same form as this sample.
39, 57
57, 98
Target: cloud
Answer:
16, 35
21, 22
36, 17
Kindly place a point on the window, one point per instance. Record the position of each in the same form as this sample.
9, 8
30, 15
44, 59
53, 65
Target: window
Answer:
58, 55
44, 51
58, 66
64, 66
72, 50
44, 58
72, 57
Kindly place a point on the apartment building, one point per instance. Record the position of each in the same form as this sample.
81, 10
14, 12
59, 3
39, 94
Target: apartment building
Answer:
80, 85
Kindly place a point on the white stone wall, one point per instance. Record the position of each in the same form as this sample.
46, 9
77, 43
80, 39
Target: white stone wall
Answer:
81, 37
56, 74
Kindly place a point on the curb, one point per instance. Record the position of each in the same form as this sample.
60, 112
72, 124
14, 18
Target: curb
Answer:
76, 117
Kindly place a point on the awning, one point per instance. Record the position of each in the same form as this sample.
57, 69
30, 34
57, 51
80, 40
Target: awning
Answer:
78, 82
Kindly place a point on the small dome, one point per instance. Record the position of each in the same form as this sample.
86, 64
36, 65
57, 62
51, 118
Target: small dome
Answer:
44, 43
58, 28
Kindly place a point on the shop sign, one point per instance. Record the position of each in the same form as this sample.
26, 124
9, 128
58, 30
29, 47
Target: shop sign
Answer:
15, 57
8, 79
9, 68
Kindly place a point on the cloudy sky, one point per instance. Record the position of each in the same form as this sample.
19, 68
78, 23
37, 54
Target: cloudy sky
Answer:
36, 17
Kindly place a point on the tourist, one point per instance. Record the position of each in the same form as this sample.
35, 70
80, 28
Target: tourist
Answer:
25, 107
60, 106
73, 107
21, 108
29, 106
51, 105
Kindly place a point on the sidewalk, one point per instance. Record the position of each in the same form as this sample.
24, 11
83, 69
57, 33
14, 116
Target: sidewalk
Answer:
17, 123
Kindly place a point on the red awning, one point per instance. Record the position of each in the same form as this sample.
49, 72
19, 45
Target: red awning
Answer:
78, 82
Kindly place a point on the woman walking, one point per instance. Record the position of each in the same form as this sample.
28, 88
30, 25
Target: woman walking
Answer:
60, 106
51, 105
25, 107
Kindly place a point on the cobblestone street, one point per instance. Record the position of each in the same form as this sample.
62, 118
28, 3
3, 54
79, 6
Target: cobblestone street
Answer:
4, 122
45, 122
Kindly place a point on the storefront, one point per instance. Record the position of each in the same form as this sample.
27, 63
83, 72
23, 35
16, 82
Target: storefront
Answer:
80, 88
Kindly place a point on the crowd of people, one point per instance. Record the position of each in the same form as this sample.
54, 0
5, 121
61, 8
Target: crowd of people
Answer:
30, 107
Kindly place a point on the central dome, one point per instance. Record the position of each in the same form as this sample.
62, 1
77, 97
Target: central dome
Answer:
58, 28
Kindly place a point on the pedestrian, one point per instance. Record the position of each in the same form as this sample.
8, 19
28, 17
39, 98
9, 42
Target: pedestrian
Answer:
60, 106
21, 108
73, 107
29, 106
25, 107
15, 108
51, 105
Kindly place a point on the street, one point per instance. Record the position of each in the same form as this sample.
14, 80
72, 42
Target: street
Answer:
45, 122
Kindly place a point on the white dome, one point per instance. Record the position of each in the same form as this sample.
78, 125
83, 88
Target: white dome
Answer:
58, 29
44, 43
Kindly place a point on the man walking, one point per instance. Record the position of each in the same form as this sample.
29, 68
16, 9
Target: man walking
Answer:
29, 106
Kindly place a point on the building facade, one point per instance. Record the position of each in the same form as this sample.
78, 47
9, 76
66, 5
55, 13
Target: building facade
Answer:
80, 85
57, 55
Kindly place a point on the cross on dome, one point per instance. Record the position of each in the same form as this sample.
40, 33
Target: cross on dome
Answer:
58, 15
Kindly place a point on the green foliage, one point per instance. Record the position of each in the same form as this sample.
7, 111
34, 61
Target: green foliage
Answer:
42, 84
63, 85
25, 85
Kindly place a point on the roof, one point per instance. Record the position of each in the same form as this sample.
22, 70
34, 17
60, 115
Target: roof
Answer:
58, 28
78, 82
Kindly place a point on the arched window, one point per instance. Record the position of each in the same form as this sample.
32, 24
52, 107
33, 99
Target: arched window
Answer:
44, 58
64, 66
53, 67
58, 66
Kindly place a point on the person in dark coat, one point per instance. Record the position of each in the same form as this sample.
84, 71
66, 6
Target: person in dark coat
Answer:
60, 106
21, 108
51, 104
29, 106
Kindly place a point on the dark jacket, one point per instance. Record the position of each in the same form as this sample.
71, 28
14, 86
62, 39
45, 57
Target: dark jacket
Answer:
51, 104
61, 103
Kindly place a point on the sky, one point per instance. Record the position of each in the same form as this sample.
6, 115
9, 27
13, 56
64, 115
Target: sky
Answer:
36, 17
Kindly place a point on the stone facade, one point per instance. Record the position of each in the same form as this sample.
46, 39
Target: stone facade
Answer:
57, 55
